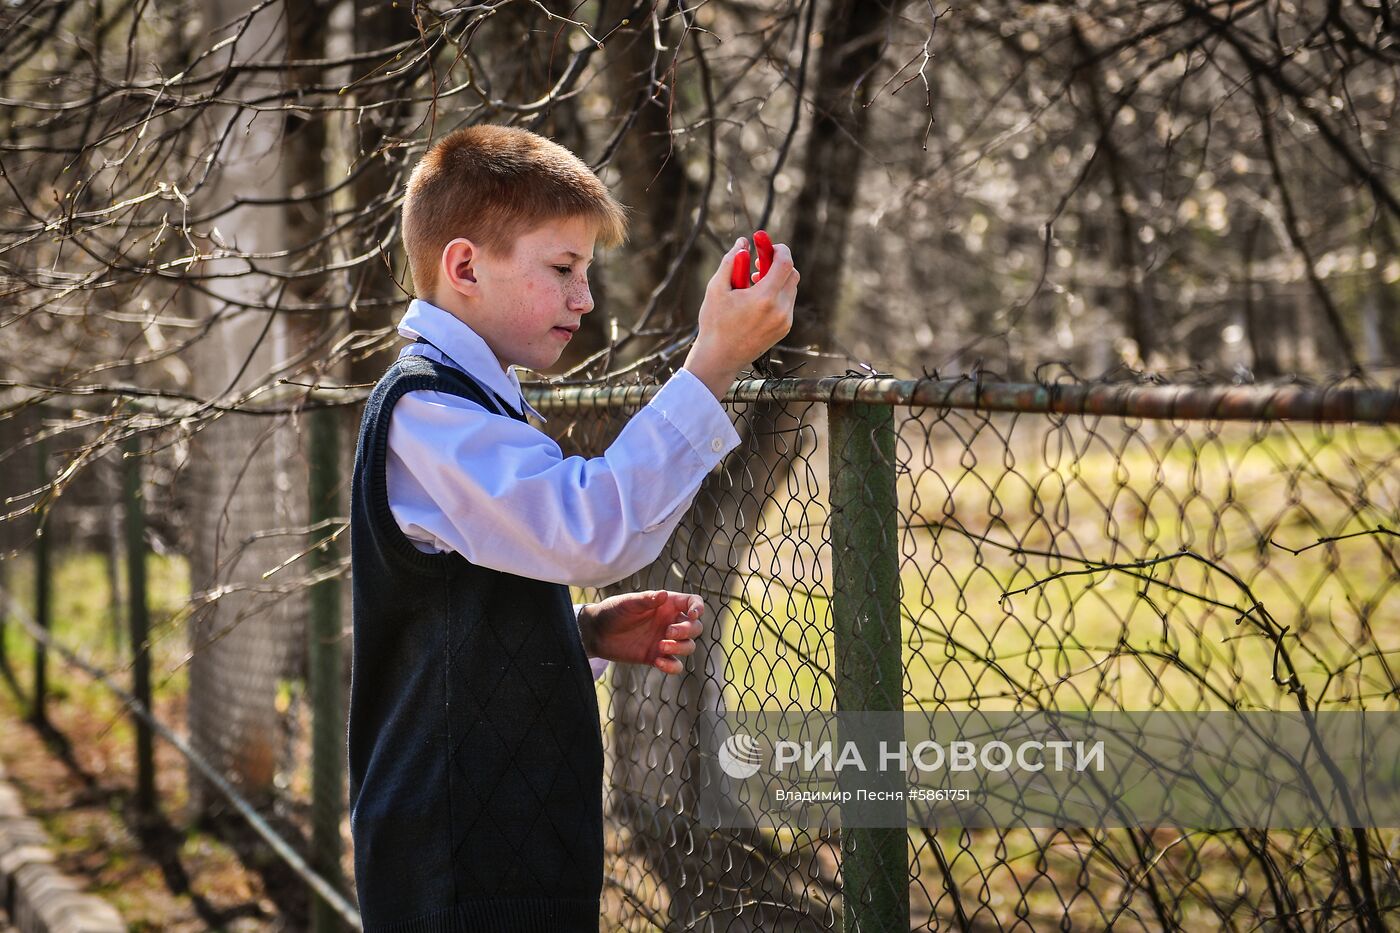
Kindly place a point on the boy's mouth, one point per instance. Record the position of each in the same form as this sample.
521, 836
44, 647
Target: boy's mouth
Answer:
565, 332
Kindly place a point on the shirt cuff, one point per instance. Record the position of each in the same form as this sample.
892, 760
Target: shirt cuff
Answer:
693, 410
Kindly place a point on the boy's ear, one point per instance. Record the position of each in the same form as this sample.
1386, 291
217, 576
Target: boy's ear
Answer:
459, 265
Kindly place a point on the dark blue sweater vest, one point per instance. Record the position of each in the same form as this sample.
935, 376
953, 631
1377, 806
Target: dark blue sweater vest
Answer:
475, 752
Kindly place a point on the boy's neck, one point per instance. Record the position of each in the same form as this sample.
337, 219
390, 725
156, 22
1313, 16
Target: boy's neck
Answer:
462, 313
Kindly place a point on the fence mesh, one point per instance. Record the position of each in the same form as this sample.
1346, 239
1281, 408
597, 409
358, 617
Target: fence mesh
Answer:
1221, 555
246, 638
1045, 561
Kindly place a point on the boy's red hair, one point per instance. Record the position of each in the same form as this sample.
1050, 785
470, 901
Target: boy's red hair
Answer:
493, 184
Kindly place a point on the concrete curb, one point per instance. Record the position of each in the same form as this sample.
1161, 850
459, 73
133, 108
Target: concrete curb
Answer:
38, 898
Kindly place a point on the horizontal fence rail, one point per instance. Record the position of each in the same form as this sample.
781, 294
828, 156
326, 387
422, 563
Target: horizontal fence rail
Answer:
1226, 403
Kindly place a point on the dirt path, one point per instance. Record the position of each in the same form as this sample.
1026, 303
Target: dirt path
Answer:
160, 874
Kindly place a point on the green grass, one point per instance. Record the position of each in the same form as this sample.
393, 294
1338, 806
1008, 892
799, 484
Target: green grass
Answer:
1095, 641
84, 620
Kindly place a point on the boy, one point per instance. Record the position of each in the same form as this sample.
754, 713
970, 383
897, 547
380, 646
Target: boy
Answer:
474, 747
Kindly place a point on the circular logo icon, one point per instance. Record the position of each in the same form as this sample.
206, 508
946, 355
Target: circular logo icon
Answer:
740, 756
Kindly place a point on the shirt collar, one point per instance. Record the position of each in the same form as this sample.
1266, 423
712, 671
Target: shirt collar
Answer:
464, 348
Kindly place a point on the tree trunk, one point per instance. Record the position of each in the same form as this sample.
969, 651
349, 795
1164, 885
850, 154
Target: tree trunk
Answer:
661, 781
1262, 338
308, 153
376, 297
1136, 296
653, 182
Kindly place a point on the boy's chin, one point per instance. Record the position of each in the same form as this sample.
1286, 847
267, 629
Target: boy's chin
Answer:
542, 362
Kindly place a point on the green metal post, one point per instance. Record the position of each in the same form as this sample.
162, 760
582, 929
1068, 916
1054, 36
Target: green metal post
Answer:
865, 608
327, 703
43, 588
139, 620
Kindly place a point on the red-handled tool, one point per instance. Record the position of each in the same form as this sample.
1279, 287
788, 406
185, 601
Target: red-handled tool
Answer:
763, 246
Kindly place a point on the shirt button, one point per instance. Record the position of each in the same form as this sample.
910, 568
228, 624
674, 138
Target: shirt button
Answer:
716, 445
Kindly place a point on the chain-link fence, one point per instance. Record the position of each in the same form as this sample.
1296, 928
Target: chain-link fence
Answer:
248, 517
941, 546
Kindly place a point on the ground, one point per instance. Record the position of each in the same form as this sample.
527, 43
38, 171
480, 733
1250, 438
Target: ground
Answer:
162, 873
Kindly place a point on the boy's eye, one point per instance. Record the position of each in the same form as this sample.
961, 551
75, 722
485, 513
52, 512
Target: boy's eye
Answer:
564, 270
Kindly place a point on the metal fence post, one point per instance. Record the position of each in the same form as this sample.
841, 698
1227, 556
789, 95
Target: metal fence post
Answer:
138, 618
865, 610
327, 704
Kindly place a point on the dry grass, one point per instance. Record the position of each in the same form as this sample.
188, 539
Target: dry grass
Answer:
162, 874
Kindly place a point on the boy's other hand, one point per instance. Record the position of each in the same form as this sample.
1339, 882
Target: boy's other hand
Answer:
657, 628
738, 324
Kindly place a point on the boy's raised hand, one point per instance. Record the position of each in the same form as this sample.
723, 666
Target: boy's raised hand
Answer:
738, 324
657, 628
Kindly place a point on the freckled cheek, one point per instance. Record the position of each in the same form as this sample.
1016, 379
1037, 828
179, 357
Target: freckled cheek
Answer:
532, 295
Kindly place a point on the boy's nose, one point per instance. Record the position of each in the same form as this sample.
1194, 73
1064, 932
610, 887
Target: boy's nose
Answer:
581, 301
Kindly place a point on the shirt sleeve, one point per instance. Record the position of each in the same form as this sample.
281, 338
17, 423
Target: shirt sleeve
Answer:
599, 666
502, 494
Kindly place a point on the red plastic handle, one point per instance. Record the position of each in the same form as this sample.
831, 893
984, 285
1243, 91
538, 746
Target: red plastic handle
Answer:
764, 244
739, 277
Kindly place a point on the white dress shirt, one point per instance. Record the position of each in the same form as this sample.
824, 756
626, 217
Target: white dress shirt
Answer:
502, 494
